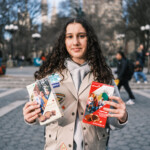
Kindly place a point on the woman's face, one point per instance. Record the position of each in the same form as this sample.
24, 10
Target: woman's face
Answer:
76, 42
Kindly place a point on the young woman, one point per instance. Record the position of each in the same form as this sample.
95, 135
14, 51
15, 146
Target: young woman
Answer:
78, 59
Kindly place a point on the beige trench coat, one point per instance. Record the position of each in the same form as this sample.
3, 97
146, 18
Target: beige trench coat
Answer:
59, 134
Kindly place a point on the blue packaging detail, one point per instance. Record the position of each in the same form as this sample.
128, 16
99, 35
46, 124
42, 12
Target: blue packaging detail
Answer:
54, 79
55, 85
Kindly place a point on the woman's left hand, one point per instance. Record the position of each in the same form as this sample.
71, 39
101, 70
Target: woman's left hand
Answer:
118, 110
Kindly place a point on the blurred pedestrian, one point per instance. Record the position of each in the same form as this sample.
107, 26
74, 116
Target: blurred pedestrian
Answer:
17, 58
1, 56
78, 59
122, 73
141, 54
139, 73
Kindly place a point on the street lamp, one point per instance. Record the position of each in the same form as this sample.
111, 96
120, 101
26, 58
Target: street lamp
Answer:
147, 29
11, 29
36, 60
120, 37
36, 37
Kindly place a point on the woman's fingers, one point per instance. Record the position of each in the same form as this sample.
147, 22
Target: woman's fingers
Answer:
30, 117
118, 110
114, 115
111, 103
29, 107
115, 111
116, 103
31, 111
118, 99
29, 103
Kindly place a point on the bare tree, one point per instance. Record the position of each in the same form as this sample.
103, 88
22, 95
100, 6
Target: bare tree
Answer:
136, 15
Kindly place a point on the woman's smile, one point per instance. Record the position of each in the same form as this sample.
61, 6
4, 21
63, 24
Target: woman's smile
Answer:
76, 49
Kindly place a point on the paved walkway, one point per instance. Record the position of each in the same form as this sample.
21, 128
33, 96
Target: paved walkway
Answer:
136, 135
27, 71
16, 135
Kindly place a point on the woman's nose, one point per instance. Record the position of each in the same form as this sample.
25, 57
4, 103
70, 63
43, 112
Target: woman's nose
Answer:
75, 41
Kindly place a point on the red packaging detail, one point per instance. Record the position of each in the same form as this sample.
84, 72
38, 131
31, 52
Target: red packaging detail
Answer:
94, 111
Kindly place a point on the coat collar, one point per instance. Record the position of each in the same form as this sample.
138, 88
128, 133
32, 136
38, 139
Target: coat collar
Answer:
86, 82
68, 83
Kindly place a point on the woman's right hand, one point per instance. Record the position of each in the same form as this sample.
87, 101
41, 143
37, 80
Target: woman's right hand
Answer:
31, 111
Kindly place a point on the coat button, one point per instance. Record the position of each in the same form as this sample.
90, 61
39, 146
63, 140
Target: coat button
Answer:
84, 128
69, 145
49, 135
103, 135
81, 113
73, 113
86, 144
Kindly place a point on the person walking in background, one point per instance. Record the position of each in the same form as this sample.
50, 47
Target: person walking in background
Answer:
78, 59
1, 56
18, 59
122, 73
140, 55
139, 73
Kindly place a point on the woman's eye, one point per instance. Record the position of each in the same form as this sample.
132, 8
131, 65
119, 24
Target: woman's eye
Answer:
69, 37
82, 36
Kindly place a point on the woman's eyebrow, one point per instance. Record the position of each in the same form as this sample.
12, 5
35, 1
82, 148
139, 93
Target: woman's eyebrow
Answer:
78, 33
68, 33
82, 33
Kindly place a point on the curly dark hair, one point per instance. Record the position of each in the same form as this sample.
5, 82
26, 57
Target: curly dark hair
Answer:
55, 60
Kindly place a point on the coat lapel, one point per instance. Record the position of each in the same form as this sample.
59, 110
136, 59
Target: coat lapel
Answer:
86, 82
68, 83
